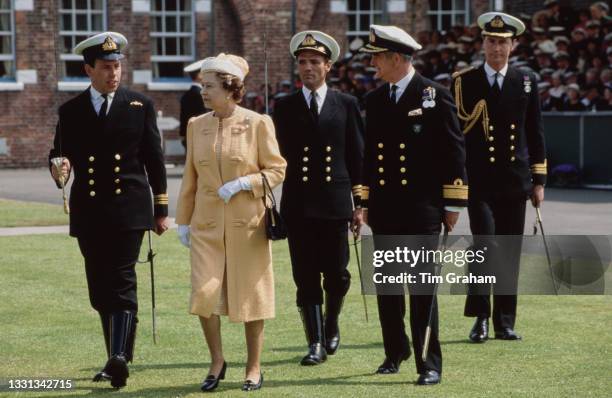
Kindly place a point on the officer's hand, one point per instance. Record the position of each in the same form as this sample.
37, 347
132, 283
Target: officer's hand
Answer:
450, 219
364, 216
161, 225
537, 195
184, 235
357, 221
64, 170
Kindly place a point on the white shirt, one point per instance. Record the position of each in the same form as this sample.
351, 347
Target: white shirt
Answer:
320, 96
97, 100
491, 75
402, 84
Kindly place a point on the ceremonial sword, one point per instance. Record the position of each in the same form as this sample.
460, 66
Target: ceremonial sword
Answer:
433, 298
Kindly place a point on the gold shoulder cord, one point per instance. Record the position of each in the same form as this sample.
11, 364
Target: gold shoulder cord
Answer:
470, 119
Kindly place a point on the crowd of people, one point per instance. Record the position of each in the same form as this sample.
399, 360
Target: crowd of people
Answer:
569, 50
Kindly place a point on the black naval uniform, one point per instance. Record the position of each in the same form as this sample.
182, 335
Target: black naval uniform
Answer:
117, 160
324, 156
192, 105
413, 168
505, 157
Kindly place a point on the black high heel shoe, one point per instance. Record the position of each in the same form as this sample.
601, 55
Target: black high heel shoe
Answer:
211, 382
250, 386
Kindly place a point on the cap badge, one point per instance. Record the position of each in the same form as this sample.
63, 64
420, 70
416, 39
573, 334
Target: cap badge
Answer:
372, 36
497, 22
309, 41
109, 44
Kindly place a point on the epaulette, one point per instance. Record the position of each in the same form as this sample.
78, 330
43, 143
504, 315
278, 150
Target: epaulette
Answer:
462, 71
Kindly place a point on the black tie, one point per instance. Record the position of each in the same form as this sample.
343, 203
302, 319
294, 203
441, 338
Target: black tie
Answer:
393, 90
102, 113
314, 107
495, 90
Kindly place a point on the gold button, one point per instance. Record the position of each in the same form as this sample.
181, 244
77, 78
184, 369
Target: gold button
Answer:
491, 149
491, 138
381, 170
92, 193
512, 159
380, 145
402, 158
404, 182
512, 147
490, 128
328, 148
91, 182
117, 181
305, 178
90, 171
328, 159
512, 137
91, 158
381, 182
492, 159
402, 145
304, 168
328, 169
328, 178
402, 169
117, 156
305, 158
117, 169
306, 149
380, 157
512, 126
117, 191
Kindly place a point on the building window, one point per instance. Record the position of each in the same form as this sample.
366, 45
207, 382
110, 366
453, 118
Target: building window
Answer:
7, 41
172, 38
78, 19
443, 14
362, 14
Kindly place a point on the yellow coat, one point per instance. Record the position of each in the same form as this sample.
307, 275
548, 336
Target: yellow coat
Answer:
230, 237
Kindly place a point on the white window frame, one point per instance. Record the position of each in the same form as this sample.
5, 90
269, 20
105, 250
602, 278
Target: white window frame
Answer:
361, 31
11, 56
155, 35
89, 12
453, 12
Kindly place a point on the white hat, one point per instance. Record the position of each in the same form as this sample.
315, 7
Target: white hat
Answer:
106, 46
226, 63
390, 38
500, 24
194, 67
313, 40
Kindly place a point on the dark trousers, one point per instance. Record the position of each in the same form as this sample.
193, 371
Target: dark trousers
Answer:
110, 259
424, 219
489, 216
318, 246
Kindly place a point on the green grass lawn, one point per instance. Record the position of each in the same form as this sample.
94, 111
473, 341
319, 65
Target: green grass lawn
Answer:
48, 330
15, 213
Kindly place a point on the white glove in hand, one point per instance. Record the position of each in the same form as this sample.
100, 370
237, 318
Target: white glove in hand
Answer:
184, 235
231, 188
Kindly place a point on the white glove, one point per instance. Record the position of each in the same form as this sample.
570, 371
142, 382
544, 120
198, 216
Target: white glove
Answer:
231, 188
184, 232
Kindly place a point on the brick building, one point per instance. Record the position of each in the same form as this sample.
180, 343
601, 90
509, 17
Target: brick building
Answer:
38, 71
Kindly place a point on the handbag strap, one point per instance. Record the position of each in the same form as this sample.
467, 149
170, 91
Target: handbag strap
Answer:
267, 191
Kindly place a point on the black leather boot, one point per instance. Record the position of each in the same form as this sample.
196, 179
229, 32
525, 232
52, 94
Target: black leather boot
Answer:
105, 320
129, 352
312, 318
121, 326
333, 306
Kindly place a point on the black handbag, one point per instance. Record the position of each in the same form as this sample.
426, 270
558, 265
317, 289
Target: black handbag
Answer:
275, 227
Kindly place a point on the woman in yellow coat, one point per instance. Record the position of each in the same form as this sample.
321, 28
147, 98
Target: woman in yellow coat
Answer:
221, 214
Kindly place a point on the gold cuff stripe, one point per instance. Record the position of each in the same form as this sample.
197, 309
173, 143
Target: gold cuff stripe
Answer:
365, 193
463, 195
